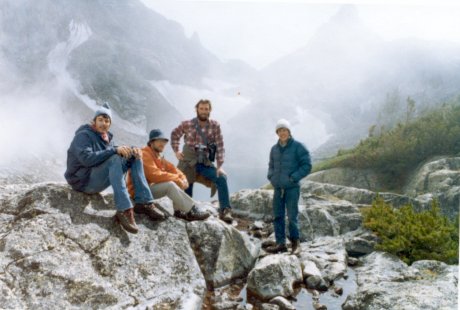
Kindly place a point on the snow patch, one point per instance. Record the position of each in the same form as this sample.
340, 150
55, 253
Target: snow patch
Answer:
58, 60
226, 99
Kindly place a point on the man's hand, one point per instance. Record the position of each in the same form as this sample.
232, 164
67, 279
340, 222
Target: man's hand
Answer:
185, 184
124, 151
221, 171
179, 155
137, 152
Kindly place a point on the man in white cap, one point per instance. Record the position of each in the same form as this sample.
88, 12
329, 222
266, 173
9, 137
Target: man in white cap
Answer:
95, 163
289, 163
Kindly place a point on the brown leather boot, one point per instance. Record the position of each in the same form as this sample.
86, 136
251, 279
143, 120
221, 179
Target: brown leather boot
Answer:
295, 247
126, 220
277, 248
150, 209
196, 215
226, 215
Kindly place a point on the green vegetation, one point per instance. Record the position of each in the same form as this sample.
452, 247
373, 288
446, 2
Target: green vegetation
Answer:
413, 235
395, 153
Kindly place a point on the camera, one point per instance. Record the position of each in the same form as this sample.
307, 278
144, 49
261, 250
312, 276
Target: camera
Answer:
200, 153
212, 147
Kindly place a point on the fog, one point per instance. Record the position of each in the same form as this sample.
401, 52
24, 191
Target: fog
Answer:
328, 68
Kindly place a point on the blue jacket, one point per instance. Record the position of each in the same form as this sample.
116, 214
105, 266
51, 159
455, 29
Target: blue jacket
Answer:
87, 150
288, 164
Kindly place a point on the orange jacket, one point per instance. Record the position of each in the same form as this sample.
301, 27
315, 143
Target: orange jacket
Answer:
156, 170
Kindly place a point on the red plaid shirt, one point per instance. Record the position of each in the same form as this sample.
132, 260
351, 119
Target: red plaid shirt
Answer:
192, 137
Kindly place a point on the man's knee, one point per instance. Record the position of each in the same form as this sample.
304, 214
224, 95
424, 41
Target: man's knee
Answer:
171, 185
114, 159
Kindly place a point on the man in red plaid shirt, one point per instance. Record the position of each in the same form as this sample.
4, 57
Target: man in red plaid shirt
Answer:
203, 144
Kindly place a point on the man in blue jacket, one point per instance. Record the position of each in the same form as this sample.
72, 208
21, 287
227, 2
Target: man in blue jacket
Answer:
94, 163
289, 163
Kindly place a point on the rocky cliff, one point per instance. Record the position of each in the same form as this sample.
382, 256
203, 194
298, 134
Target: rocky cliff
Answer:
437, 178
61, 249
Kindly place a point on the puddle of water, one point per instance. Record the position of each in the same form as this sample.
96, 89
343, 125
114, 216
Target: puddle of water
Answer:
304, 299
329, 298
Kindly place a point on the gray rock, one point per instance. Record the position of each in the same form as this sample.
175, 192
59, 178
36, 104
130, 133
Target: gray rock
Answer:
62, 250
269, 307
282, 302
225, 305
309, 269
358, 246
257, 225
354, 195
338, 290
319, 217
385, 282
253, 204
328, 254
275, 275
245, 307
359, 178
316, 283
434, 176
318, 306
223, 252
352, 261
438, 179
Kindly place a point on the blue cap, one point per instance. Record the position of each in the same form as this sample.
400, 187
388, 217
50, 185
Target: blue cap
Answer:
157, 134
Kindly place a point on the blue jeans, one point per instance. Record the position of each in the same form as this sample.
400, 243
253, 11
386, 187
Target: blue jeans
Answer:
287, 199
112, 172
210, 172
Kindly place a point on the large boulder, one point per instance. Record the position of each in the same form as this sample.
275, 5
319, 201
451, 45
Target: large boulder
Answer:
253, 204
275, 275
329, 256
321, 217
354, 195
61, 249
223, 252
385, 282
438, 179
359, 178
435, 176
317, 216
360, 242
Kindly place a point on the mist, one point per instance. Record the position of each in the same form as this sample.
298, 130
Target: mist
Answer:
328, 69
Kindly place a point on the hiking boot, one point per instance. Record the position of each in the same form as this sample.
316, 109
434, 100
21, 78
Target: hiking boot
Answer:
150, 209
126, 220
226, 215
278, 248
295, 247
196, 215
180, 214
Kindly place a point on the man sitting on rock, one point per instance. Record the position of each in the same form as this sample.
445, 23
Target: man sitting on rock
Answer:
166, 180
289, 163
94, 163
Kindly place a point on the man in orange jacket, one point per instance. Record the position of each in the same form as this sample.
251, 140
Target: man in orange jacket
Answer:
165, 179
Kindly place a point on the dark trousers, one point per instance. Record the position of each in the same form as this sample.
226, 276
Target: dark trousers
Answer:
286, 200
210, 172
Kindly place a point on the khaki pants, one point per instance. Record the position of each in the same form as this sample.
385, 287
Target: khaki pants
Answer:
181, 201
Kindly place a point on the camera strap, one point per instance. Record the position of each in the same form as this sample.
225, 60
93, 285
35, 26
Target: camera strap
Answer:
200, 131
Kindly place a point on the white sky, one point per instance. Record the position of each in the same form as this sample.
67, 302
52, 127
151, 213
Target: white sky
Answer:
259, 31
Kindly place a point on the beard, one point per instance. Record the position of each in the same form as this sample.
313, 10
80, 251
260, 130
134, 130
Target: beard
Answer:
202, 117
